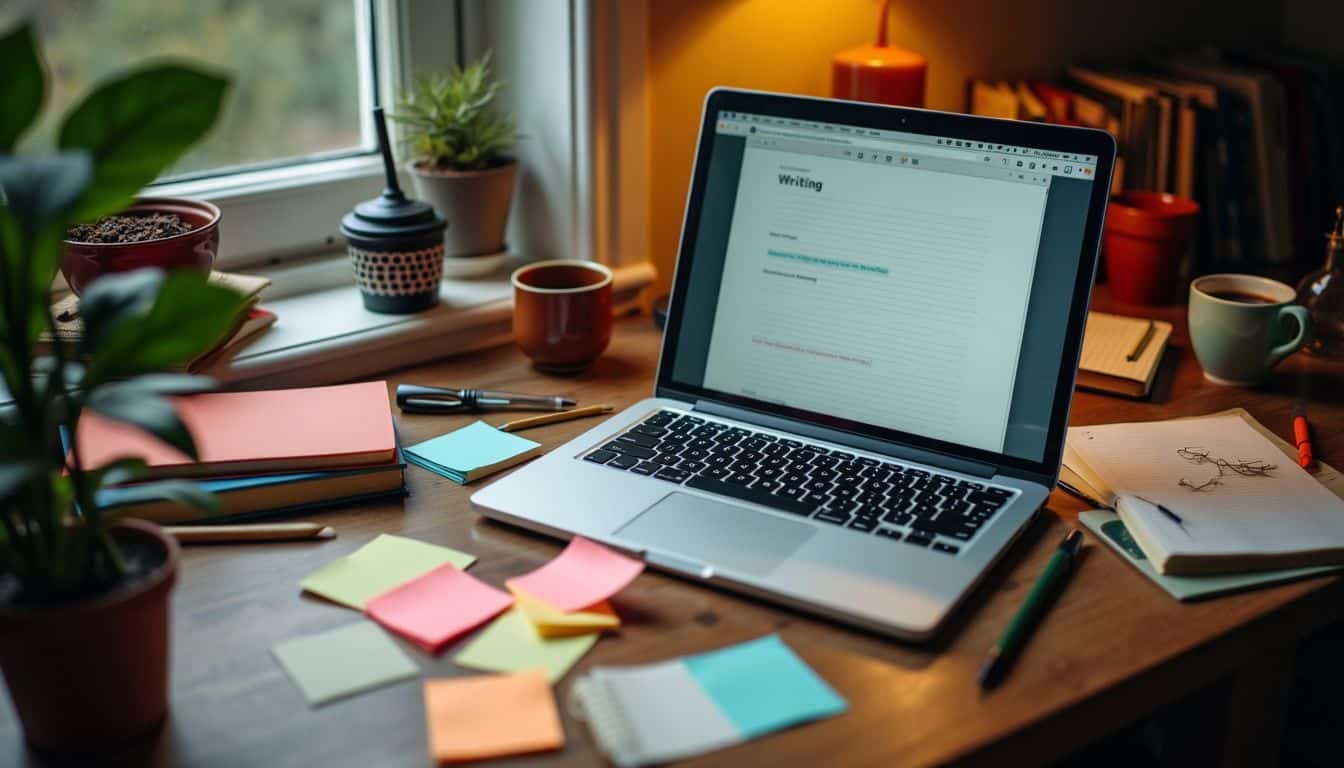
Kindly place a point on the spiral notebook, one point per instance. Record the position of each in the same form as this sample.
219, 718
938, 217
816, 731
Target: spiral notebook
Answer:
688, 706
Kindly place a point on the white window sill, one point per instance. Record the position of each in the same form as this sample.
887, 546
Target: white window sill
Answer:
324, 336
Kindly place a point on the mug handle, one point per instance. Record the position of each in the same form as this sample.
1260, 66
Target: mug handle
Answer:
1303, 318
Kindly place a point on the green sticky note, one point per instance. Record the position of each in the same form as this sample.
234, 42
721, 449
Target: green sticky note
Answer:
510, 644
382, 564
473, 451
762, 686
343, 662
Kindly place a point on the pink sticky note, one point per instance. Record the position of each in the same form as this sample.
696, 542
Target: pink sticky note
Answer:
583, 575
434, 609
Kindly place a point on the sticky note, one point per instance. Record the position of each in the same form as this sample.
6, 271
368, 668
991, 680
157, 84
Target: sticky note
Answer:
386, 562
548, 622
510, 644
434, 609
762, 686
477, 718
583, 574
471, 452
343, 662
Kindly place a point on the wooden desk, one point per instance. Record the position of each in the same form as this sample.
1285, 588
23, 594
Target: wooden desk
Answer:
1113, 649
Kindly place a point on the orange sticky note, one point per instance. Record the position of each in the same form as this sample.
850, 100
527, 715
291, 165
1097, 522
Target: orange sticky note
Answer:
477, 718
584, 574
434, 609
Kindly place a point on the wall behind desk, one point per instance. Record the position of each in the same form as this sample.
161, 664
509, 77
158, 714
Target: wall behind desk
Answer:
786, 45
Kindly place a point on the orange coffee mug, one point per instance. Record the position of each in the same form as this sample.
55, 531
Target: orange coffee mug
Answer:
562, 313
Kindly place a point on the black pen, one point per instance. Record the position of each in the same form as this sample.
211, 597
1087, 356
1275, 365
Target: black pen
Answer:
1172, 516
414, 398
1000, 658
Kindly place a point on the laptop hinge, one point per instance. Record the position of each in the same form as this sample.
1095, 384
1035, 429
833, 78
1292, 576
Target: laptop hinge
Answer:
905, 452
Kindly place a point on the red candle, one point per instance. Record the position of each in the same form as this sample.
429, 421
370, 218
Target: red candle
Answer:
879, 73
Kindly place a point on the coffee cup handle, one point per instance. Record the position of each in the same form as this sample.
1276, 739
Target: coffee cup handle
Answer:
1303, 318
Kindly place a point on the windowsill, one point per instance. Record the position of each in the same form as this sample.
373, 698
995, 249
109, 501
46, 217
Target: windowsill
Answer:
326, 335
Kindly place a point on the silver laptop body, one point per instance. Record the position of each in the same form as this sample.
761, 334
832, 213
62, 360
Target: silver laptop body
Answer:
865, 378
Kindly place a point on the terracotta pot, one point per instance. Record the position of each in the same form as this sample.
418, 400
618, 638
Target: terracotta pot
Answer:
475, 203
1143, 243
191, 250
93, 675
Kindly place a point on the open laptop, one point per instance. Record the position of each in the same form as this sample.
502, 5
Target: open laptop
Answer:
866, 373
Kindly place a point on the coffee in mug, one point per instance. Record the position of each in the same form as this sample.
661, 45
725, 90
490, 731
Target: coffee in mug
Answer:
1241, 326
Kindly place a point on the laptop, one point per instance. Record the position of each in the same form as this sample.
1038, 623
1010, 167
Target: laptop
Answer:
866, 371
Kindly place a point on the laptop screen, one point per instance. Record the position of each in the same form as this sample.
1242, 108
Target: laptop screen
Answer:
913, 282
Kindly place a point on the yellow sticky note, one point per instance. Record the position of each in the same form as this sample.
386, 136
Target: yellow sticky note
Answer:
382, 564
550, 622
477, 718
510, 644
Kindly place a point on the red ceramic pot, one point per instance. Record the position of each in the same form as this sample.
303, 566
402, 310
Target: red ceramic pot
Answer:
90, 676
1144, 240
191, 250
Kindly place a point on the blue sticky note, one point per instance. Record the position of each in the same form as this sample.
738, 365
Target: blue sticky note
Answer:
762, 686
473, 451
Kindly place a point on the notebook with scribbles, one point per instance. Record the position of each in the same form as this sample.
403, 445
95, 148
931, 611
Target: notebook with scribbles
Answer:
1121, 354
1235, 515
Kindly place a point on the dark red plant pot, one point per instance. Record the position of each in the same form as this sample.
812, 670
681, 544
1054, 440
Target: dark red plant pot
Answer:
196, 249
1143, 243
91, 676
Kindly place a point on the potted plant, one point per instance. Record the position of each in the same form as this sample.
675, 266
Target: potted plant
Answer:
84, 598
458, 143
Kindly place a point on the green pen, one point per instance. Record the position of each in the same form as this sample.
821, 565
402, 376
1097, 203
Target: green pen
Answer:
1000, 658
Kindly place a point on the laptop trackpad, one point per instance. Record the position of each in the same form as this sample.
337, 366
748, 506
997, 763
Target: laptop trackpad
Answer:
717, 534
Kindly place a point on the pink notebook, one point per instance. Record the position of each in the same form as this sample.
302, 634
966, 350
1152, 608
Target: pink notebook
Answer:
252, 432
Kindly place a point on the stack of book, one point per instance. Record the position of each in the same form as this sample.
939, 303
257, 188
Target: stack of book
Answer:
1251, 136
250, 322
261, 453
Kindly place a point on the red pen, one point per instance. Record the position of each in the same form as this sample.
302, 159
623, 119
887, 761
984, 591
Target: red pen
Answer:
1302, 436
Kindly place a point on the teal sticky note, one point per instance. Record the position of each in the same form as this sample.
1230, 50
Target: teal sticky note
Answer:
473, 451
762, 686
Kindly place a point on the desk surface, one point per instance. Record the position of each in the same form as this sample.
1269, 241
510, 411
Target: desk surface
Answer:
1112, 649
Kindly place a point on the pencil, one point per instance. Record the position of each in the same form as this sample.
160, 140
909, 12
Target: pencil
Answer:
1141, 343
218, 534
554, 418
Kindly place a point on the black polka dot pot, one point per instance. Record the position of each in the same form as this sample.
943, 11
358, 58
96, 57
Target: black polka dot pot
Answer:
397, 282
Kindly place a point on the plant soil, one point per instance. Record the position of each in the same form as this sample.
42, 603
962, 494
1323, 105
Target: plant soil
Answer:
141, 556
129, 229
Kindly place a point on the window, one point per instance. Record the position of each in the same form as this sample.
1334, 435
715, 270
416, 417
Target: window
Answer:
299, 85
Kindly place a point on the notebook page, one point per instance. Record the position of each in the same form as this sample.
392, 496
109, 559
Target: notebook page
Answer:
1108, 340
1286, 511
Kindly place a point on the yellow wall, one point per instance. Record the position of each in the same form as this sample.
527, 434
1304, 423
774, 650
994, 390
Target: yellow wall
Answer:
786, 45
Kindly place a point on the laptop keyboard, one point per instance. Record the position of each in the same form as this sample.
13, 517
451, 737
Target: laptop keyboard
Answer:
917, 506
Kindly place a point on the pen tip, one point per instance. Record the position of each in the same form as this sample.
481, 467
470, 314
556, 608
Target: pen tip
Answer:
326, 533
565, 401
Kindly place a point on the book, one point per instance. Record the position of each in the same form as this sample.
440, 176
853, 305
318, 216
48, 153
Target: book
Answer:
1108, 341
472, 452
674, 709
251, 321
1209, 495
238, 433
993, 100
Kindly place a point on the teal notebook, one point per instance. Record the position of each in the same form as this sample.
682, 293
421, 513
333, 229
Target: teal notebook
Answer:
472, 452
1109, 528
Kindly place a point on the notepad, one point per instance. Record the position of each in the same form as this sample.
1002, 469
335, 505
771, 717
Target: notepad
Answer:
1109, 340
343, 662
386, 562
510, 644
434, 609
584, 574
472, 452
477, 718
549, 622
675, 709
1230, 522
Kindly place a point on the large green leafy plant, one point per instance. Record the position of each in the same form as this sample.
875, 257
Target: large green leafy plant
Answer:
451, 123
55, 544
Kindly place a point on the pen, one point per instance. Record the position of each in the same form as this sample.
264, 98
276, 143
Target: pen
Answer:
1141, 343
1000, 658
1167, 513
1302, 436
414, 398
